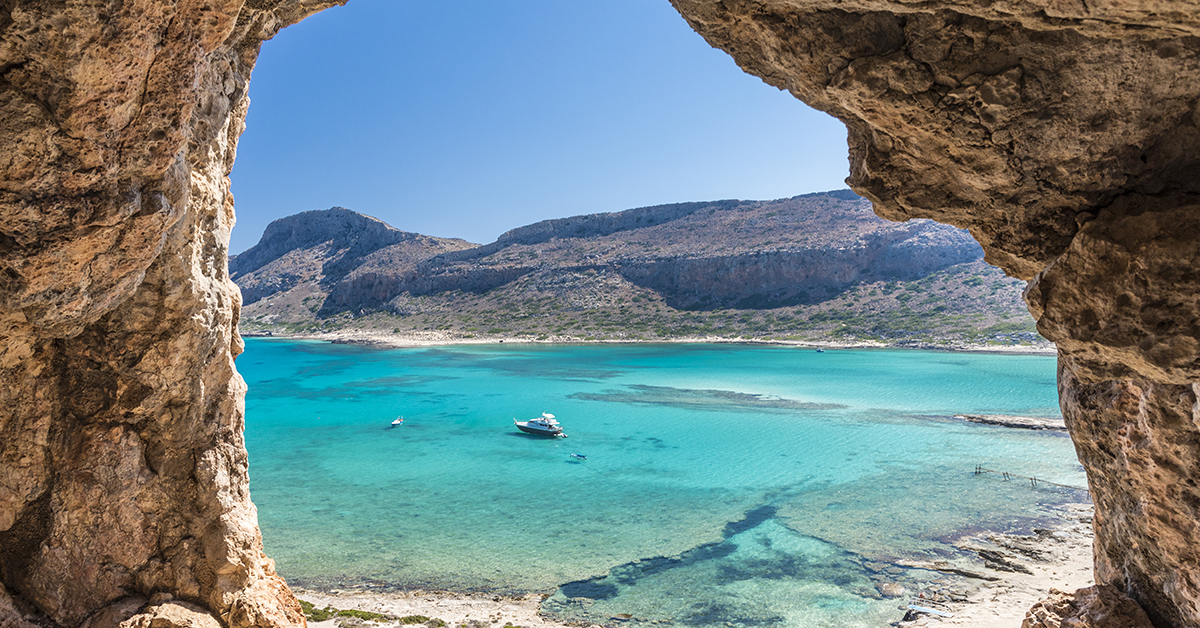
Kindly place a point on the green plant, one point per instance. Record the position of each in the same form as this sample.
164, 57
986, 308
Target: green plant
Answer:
421, 619
312, 613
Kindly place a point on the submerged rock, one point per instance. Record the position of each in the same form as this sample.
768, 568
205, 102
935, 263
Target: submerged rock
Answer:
1022, 422
891, 589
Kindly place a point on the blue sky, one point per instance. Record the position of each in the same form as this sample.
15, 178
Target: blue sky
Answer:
467, 119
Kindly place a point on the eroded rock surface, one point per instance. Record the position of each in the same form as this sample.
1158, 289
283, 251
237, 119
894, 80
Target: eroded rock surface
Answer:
1101, 606
1066, 137
693, 255
122, 466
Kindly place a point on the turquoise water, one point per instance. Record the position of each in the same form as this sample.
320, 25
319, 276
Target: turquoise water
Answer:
723, 483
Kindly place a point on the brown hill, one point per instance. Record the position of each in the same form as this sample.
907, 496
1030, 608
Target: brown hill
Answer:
304, 254
811, 266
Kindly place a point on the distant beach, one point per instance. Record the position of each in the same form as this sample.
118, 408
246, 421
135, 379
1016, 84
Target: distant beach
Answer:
436, 338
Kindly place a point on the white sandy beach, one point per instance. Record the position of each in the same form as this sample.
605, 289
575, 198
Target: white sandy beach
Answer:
1065, 563
436, 338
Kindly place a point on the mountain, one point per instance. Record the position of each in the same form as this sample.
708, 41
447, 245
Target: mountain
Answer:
303, 254
813, 266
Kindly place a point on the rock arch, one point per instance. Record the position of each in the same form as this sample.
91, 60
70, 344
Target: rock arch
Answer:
1062, 134
1066, 137
123, 474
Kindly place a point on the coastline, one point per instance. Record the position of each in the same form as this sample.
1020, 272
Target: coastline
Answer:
1057, 558
438, 338
982, 593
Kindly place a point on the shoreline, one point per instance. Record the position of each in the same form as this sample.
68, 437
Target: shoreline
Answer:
435, 339
1027, 568
1057, 558
1011, 573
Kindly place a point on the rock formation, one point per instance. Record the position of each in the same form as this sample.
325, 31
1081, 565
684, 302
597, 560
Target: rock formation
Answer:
330, 246
1095, 607
744, 254
122, 468
1064, 135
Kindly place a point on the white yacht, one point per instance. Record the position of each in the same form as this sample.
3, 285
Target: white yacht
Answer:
544, 425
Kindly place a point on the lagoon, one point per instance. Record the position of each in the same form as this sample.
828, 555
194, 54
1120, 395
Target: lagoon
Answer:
724, 483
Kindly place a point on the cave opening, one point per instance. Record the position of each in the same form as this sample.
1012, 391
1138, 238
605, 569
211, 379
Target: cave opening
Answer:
1064, 142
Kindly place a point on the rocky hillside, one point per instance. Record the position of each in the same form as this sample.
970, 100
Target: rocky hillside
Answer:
312, 250
811, 266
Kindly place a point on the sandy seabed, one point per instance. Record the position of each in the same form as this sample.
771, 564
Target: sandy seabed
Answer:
997, 597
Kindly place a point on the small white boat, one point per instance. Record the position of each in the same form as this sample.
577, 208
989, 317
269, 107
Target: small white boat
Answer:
544, 425
399, 421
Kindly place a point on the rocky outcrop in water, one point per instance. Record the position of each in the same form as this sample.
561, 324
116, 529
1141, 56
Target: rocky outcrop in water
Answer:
1064, 136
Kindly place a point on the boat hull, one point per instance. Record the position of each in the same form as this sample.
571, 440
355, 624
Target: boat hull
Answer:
537, 431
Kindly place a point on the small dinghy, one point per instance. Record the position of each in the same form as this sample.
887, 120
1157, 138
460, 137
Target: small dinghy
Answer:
398, 421
580, 456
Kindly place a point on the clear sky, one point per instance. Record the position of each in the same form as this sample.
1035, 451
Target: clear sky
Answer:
468, 118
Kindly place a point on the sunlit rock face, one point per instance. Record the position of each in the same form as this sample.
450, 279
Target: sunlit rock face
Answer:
1065, 136
122, 466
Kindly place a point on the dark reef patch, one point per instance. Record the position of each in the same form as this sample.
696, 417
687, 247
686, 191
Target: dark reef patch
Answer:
727, 578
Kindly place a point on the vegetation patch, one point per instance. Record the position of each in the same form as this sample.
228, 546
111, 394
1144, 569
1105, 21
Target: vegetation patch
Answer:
364, 615
421, 619
356, 617
312, 613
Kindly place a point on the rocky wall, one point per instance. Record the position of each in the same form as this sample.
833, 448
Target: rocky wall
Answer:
123, 475
1064, 136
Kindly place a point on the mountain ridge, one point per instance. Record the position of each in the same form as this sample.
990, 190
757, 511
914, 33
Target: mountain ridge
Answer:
797, 257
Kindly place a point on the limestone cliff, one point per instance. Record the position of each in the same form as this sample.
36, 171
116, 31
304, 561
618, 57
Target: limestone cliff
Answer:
122, 469
331, 247
723, 253
815, 266
1064, 135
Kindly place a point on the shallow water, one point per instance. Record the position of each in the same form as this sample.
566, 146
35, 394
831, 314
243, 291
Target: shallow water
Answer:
723, 483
